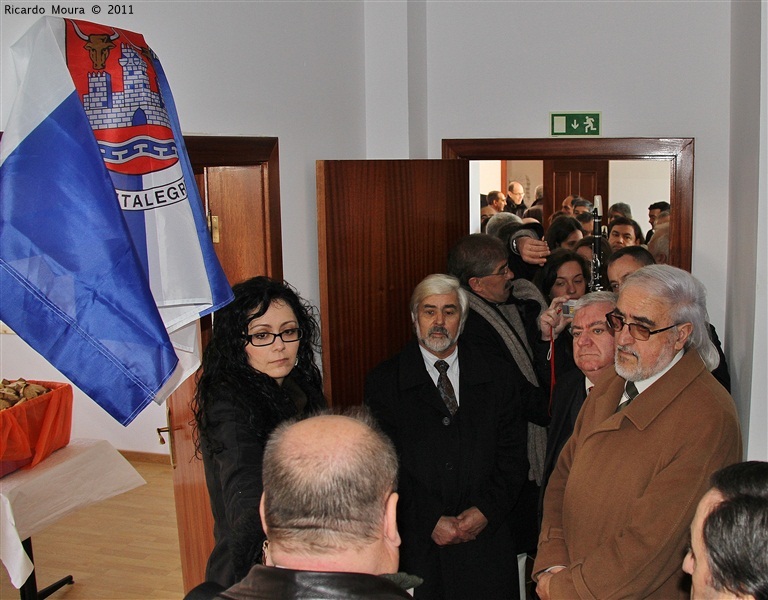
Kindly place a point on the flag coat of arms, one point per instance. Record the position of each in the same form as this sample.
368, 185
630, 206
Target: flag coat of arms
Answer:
105, 259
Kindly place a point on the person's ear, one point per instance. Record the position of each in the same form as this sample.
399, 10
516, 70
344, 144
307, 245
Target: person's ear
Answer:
475, 284
391, 533
261, 513
684, 331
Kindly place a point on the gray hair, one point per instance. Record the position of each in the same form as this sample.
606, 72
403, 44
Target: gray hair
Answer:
475, 255
439, 283
687, 299
579, 201
622, 207
596, 298
316, 500
497, 221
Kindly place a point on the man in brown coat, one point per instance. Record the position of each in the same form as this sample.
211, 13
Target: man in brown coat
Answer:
625, 488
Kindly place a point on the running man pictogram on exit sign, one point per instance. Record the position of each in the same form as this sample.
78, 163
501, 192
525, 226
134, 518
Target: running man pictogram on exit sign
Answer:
581, 124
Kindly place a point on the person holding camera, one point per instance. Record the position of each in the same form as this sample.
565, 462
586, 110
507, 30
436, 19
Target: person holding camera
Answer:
562, 280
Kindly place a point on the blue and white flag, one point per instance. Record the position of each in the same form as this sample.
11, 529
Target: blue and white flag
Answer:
105, 259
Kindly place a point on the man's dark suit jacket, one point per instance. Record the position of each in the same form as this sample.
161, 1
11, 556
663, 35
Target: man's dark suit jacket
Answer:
482, 335
567, 398
449, 464
721, 372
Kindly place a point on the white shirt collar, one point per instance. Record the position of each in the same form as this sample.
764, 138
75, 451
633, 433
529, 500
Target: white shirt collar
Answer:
430, 359
646, 383
453, 368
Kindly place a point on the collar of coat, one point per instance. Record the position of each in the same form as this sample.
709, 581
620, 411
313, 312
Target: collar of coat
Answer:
650, 404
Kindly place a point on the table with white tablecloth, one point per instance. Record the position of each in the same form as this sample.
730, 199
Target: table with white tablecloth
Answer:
82, 473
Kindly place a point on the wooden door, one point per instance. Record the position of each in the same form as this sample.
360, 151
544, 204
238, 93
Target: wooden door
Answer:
565, 177
238, 180
382, 227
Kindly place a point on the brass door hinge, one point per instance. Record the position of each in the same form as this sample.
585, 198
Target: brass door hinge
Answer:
213, 227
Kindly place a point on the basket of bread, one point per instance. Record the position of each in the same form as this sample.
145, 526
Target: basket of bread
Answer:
35, 420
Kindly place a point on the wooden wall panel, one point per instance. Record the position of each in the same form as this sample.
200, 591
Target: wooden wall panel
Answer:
382, 227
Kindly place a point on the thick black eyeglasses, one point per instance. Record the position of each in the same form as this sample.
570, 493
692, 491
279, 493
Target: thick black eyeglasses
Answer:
265, 338
637, 331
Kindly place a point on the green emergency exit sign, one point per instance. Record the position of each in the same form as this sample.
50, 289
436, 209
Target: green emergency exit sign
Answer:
579, 124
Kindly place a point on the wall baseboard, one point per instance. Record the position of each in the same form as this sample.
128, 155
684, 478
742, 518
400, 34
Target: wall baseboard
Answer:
147, 457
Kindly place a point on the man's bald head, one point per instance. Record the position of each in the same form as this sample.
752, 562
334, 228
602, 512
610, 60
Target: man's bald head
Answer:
326, 482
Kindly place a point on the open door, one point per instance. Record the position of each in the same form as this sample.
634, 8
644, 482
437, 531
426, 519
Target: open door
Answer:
239, 183
382, 227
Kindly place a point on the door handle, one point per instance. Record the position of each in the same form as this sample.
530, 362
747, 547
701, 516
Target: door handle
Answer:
169, 431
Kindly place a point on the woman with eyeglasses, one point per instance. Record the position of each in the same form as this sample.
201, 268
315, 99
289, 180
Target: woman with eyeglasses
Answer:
258, 370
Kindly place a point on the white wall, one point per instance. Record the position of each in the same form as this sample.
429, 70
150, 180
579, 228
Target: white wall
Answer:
624, 59
490, 176
328, 79
747, 290
295, 70
638, 183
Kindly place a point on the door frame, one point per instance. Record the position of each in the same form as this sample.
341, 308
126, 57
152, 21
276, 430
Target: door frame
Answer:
193, 511
679, 151
233, 151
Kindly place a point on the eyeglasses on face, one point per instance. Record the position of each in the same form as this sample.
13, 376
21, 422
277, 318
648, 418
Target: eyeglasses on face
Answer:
637, 331
503, 272
265, 338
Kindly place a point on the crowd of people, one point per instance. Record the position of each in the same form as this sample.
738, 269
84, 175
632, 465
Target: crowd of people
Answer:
547, 433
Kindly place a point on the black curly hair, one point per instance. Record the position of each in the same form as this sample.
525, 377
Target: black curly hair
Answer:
226, 375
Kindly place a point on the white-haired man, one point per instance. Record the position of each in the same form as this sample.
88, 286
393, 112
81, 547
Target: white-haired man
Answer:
455, 417
625, 488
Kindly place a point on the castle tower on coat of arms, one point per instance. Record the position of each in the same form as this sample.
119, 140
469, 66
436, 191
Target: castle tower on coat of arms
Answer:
137, 104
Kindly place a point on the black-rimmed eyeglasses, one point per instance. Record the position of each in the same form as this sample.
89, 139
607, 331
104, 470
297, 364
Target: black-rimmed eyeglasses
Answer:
637, 331
265, 338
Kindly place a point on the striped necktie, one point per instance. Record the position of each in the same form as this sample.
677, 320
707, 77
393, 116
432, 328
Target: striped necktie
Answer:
630, 393
445, 387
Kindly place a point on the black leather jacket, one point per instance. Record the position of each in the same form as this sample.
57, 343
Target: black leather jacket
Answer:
269, 582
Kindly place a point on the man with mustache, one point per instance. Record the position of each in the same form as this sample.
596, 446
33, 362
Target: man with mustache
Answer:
455, 417
502, 322
622, 263
626, 484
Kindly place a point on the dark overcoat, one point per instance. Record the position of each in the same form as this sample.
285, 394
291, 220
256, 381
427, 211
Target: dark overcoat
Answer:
448, 464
